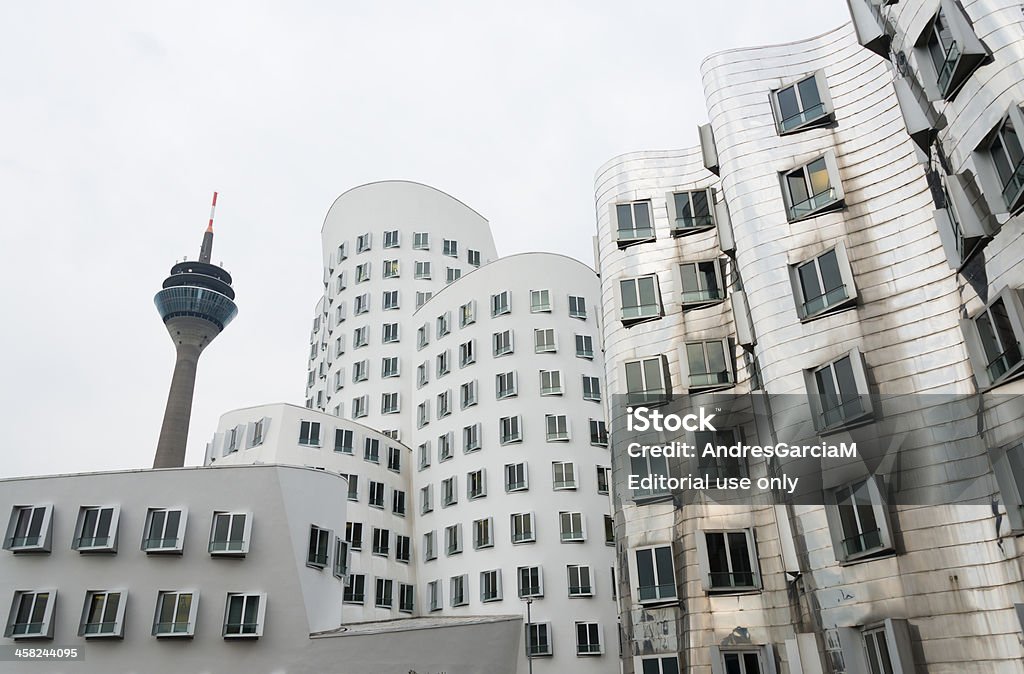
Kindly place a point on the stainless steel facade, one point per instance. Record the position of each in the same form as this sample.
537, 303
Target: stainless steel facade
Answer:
891, 125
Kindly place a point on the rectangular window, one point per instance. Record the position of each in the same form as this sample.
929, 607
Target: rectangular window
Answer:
452, 274
709, 364
728, 561
538, 639
406, 597
557, 427
423, 414
659, 664
243, 615
510, 429
389, 301
445, 450
422, 270
354, 535
426, 499
103, 614
421, 241
640, 299
579, 581
363, 243
389, 403
360, 336
505, 385
483, 533
467, 394
422, 298
719, 467
655, 466
544, 341
353, 487
588, 638
444, 404
389, 333
175, 614
634, 223
398, 502
691, 211
609, 530
502, 343
449, 492
381, 542
229, 533
376, 494
858, 520
164, 530
444, 324
500, 304
1006, 155
603, 479
577, 307
803, 104
362, 275
598, 433
563, 475
31, 615
655, 574
355, 589
382, 596
530, 582
476, 484
422, 375
701, 283
371, 450
473, 257
434, 595
360, 406
391, 269
551, 383
395, 459
646, 382
812, 188
343, 252
450, 248
584, 346
471, 438
453, 539
96, 530
490, 585
319, 547
522, 528
591, 388
444, 363
424, 452
839, 392
467, 314
458, 584
516, 477
360, 370
571, 527
309, 433
389, 367
824, 284
743, 661
994, 338
341, 558
540, 301
339, 379
467, 353
28, 529
391, 239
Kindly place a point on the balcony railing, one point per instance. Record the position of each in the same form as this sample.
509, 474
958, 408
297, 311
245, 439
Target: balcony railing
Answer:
170, 628
803, 117
948, 66
653, 592
23, 542
1014, 184
687, 222
92, 542
735, 579
1004, 362
826, 300
580, 589
710, 378
862, 542
844, 411
812, 204
25, 629
572, 535
159, 543
98, 628
226, 546
699, 296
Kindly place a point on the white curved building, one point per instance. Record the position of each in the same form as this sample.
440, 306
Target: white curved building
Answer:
852, 256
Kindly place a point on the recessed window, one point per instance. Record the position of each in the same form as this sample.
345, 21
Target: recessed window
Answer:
423, 414
540, 301
655, 574
516, 477
748, 660
389, 300
391, 269
691, 211
361, 336
164, 530
444, 324
381, 542
505, 385
824, 283
584, 346
803, 104
570, 526
550, 383
476, 484
444, 363
603, 479
530, 582
858, 520
812, 188
389, 403
371, 450
510, 429
309, 433
355, 589
500, 304
422, 270
398, 502
362, 275
523, 530
709, 365
383, 595
728, 561
467, 394
490, 585
544, 341
389, 366
391, 239
31, 615
467, 314
453, 539
578, 307
445, 451
229, 533
376, 494
96, 530
962, 229
353, 488
449, 492
640, 299
319, 547
538, 639
502, 343
598, 433
658, 664
103, 614
175, 613
243, 615
579, 581
450, 248
473, 257
646, 381
557, 427
888, 647
28, 529
467, 353
429, 546
588, 638
702, 283
457, 585
563, 475
424, 455
839, 392
471, 438
406, 597
421, 241
363, 242
483, 533
633, 223
591, 388
354, 535
395, 459
444, 404
1001, 168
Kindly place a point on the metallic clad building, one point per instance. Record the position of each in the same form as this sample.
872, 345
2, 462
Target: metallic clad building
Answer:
857, 256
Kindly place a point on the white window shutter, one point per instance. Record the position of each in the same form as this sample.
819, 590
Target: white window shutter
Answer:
947, 236
723, 223
717, 666
880, 506
834, 176
897, 633
975, 352
708, 148
670, 206
703, 566
741, 318
918, 115
821, 82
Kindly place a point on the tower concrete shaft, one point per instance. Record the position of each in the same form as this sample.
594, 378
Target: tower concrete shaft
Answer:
190, 337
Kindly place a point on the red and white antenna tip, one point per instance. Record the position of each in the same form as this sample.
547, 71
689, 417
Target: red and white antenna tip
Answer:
213, 207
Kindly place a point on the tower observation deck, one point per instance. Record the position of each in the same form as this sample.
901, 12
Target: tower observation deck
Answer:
196, 304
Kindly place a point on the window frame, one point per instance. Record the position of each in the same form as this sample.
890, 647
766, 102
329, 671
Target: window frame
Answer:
190, 626
572, 535
878, 500
815, 394
110, 545
970, 52
116, 630
261, 612
686, 297
660, 596
580, 589
527, 535
704, 562
727, 378
660, 396
243, 545
846, 275
179, 540
824, 118
44, 538
45, 630
638, 234
588, 648
834, 199
643, 316
674, 216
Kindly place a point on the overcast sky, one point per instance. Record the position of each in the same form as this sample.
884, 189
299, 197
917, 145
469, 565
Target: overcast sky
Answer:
120, 119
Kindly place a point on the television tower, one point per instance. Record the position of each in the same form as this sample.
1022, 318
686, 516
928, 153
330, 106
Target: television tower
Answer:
196, 303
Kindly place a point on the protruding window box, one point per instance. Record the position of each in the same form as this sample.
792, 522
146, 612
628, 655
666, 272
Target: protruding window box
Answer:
634, 223
691, 211
994, 338
29, 529
176, 614
812, 189
948, 51
824, 284
103, 614
803, 104
244, 615
230, 534
96, 529
165, 531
